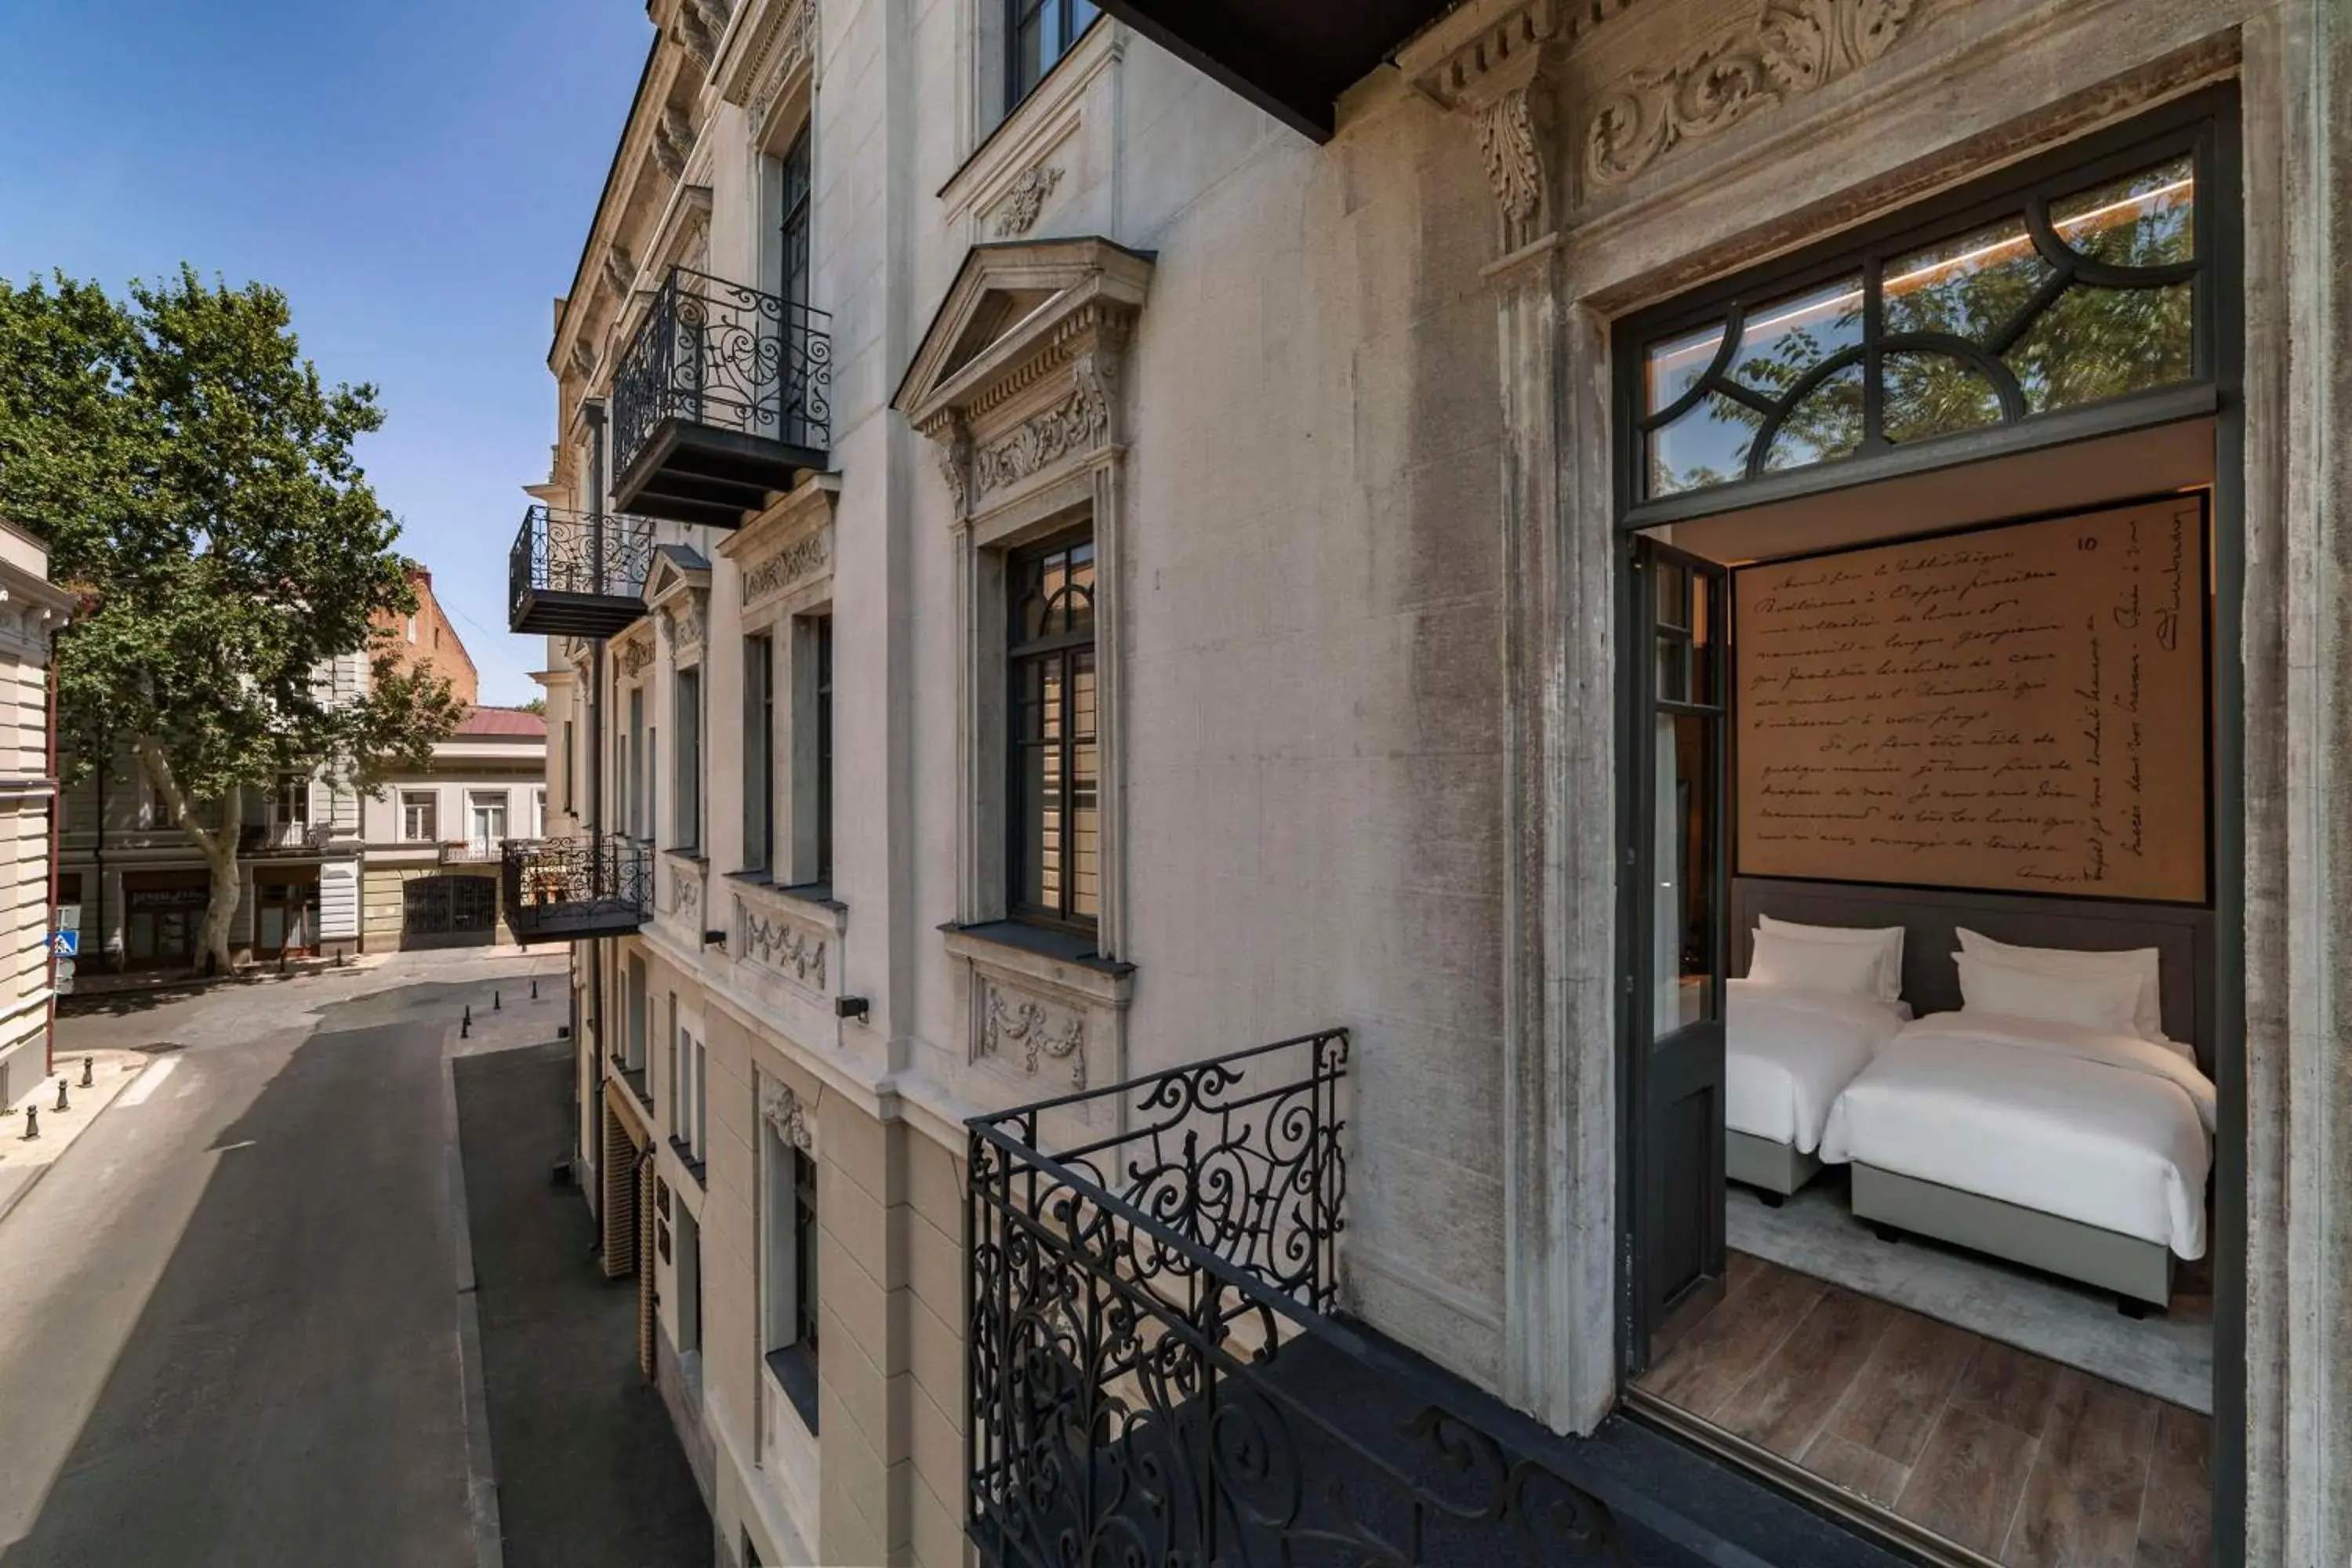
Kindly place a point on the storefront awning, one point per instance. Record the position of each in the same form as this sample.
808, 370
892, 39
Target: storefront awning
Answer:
1291, 58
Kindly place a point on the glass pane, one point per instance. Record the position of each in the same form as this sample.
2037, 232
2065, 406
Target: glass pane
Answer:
1936, 394
2141, 220
1683, 924
1673, 669
1970, 286
1708, 445
1826, 424
1673, 579
2093, 343
1782, 341
1674, 366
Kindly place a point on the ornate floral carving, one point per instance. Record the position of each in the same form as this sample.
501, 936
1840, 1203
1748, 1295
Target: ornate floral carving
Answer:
791, 949
1016, 214
781, 1109
1041, 1031
633, 656
1790, 47
685, 892
955, 464
683, 627
1076, 423
803, 557
1507, 138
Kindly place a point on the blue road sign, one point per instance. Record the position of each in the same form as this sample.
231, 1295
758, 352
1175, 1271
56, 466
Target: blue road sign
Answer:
66, 944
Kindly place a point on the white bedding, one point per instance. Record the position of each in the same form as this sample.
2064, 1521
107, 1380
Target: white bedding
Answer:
2105, 1130
1787, 1053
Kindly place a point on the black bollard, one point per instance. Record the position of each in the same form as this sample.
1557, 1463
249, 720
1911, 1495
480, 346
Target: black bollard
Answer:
465, 1027
32, 1122
534, 987
87, 1068
494, 1001
61, 1096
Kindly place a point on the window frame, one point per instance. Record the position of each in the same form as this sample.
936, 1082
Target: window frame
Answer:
1074, 19
759, 848
410, 799
2188, 128
686, 758
1064, 648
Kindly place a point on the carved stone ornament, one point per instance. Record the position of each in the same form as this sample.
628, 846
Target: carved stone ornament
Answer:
781, 1109
1508, 139
673, 140
803, 558
633, 656
620, 272
1016, 214
1790, 47
1077, 424
685, 891
792, 48
684, 627
584, 361
955, 465
695, 33
1040, 1030
798, 952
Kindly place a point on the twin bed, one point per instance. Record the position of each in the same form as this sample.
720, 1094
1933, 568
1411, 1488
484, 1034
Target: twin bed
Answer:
2067, 1126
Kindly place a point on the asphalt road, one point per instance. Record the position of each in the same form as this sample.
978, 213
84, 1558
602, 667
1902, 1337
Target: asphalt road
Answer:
227, 1316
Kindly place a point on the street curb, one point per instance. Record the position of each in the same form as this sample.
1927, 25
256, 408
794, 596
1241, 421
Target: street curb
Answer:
481, 1471
18, 1192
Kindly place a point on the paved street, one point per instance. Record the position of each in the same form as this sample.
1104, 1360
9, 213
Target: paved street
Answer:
228, 1315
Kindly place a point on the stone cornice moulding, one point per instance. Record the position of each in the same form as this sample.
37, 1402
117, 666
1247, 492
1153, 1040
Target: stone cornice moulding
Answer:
621, 208
1045, 390
1490, 62
770, 58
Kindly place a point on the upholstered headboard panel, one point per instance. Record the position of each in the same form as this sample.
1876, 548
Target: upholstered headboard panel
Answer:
1930, 916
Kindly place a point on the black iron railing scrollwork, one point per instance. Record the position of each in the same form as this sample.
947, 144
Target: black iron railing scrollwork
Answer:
1156, 1376
720, 354
555, 884
603, 556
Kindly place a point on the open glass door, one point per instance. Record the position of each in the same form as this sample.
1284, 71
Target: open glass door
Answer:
1678, 946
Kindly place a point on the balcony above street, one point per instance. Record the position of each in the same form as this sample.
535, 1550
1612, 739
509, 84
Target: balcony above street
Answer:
577, 573
571, 889
722, 401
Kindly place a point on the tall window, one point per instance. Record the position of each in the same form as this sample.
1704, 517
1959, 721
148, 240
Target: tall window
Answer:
793, 229
821, 639
677, 1108
690, 758
1055, 821
293, 797
788, 1295
634, 1001
419, 817
1041, 32
632, 804
486, 819
759, 752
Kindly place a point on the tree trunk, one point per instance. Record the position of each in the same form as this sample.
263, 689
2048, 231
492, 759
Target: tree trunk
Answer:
216, 844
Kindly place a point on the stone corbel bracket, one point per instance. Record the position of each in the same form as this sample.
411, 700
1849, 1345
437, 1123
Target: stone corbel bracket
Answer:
1490, 62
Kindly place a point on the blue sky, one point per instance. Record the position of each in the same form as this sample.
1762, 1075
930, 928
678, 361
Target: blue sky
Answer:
418, 177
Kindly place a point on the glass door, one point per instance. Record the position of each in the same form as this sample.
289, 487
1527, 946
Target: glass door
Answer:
1678, 935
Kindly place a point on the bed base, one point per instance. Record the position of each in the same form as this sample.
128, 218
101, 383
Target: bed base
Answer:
2135, 1270
1776, 1170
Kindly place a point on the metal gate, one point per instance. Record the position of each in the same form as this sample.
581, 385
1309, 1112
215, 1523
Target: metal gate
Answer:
448, 910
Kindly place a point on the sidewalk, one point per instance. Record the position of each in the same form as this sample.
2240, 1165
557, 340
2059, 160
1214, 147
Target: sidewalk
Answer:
96, 992
24, 1161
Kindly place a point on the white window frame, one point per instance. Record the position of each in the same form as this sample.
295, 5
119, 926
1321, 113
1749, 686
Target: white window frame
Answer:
410, 801
479, 801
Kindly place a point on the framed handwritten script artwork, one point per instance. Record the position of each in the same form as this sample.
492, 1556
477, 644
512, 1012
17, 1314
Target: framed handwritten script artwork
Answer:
2021, 708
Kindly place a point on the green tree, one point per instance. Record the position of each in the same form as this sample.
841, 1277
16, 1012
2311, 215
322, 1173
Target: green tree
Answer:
195, 481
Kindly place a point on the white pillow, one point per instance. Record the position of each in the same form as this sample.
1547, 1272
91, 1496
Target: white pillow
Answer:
2100, 1001
1790, 963
2140, 963
1886, 941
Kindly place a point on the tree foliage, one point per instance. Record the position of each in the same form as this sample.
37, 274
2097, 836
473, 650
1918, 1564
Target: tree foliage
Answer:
196, 480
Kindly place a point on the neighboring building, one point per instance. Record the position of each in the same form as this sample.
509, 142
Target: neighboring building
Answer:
32, 610
143, 885
425, 637
1079, 546
430, 842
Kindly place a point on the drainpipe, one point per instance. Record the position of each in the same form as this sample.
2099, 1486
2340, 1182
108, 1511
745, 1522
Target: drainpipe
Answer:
56, 805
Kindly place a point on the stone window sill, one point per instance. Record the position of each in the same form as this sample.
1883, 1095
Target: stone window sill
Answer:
694, 1167
812, 901
794, 1370
1043, 953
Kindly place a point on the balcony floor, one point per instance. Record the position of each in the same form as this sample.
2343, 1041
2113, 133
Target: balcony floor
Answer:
709, 475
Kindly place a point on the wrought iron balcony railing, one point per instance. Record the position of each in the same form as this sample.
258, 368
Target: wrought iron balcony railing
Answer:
1157, 1374
721, 397
564, 889
577, 573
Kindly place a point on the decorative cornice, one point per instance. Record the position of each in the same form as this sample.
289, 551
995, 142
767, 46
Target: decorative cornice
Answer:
781, 1109
632, 656
1078, 423
673, 140
1016, 211
790, 48
1495, 75
620, 272
683, 625
1788, 48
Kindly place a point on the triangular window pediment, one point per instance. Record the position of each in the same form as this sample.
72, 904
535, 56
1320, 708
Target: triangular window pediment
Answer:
1011, 307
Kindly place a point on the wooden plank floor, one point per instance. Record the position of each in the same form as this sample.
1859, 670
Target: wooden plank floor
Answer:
2017, 1458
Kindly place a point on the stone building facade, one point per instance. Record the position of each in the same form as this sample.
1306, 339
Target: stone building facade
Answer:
32, 611
1078, 545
